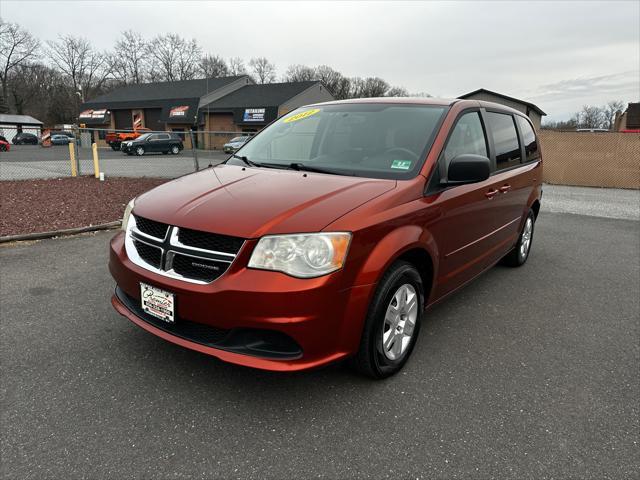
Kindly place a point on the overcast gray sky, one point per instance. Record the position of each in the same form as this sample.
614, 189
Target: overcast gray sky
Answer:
559, 55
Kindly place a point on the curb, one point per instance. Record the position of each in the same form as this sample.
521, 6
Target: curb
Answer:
59, 233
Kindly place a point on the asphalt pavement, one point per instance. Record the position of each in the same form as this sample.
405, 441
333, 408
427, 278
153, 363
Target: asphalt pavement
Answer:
526, 373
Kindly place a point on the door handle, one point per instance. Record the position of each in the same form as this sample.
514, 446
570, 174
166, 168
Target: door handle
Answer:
505, 188
491, 193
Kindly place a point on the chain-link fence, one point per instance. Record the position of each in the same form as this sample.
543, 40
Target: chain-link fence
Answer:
22, 162
122, 153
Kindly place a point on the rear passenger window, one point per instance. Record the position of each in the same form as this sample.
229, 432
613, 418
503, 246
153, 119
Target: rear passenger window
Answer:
529, 139
467, 137
505, 140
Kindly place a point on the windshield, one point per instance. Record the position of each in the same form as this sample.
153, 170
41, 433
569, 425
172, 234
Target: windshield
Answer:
237, 139
144, 136
369, 140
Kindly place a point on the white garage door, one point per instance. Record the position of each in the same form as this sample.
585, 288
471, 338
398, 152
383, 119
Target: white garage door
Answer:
8, 131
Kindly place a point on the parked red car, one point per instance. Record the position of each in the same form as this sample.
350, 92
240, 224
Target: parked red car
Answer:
327, 235
4, 145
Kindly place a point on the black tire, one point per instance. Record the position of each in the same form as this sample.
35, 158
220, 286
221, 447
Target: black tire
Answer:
370, 359
175, 149
139, 151
3, 148
115, 147
519, 255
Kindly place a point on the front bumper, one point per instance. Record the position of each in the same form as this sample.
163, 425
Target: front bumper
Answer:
311, 321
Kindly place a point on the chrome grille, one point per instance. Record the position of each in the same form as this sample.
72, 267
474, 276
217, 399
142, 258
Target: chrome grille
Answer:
151, 227
149, 253
210, 241
167, 253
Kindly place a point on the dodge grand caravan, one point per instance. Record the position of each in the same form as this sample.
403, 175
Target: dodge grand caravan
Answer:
328, 235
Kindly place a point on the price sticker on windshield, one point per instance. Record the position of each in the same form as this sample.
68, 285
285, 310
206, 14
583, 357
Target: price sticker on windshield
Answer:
301, 115
401, 164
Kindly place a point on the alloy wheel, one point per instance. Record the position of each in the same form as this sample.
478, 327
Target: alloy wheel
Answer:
399, 322
525, 242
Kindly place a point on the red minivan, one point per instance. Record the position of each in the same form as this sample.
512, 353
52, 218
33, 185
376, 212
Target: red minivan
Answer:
327, 235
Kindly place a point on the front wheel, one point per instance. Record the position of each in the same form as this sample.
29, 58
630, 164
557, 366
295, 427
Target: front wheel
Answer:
139, 151
392, 324
518, 256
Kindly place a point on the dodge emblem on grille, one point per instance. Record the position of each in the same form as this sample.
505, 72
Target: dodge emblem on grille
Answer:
204, 265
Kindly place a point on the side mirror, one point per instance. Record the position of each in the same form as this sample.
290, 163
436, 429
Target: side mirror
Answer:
468, 168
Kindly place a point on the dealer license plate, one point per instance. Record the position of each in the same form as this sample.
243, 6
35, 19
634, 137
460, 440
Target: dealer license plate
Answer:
157, 302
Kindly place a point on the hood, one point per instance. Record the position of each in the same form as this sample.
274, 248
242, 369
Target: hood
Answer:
252, 202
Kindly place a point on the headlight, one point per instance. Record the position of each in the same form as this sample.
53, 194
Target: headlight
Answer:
303, 255
127, 214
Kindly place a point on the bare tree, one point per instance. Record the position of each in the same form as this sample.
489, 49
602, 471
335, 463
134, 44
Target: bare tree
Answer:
41, 91
368, 87
212, 66
397, 92
591, 117
263, 70
17, 47
86, 69
609, 112
335, 82
236, 66
174, 57
130, 62
299, 73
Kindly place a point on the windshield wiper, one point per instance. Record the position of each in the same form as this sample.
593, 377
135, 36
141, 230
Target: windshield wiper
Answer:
310, 168
246, 160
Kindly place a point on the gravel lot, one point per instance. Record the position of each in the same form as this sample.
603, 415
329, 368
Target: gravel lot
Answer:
526, 373
597, 202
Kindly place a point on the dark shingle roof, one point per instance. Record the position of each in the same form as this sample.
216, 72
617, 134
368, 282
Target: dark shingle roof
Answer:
21, 119
267, 95
506, 97
163, 90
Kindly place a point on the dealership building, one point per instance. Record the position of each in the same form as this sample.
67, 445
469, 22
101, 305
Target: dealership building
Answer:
227, 104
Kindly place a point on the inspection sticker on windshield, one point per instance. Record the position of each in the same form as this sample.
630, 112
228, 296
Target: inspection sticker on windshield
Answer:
401, 164
300, 116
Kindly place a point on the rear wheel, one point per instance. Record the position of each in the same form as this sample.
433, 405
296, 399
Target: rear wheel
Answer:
518, 256
392, 324
139, 151
115, 146
175, 149
3, 148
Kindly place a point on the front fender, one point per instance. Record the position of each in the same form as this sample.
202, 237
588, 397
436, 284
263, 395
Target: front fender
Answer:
391, 247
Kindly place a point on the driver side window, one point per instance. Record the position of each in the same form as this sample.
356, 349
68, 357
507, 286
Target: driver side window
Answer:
467, 137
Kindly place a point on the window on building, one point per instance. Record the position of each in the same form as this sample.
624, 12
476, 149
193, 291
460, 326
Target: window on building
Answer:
505, 140
529, 139
179, 132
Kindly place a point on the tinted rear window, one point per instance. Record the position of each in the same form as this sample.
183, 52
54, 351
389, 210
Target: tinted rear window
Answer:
505, 139
529, 139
